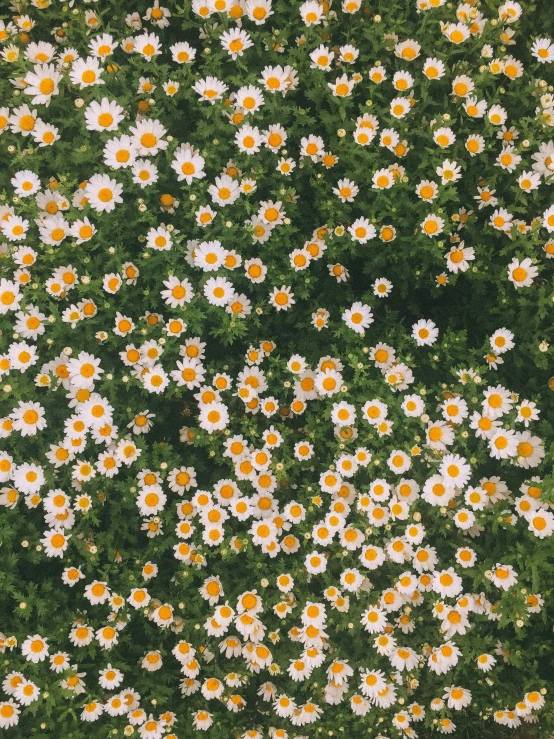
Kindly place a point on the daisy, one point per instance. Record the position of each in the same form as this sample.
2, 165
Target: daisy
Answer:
271, 212
147, 45
35, 648
403, 81
404, 658
321, 58
342, 86
92, 711
258, 11
407, 50
459, 257
497, 115
311, 13
81, 635
372, 682
9, 714
158, 16
21, 356
432, 225
159, 239
447, 583
59, 662
427, 190
475, 108
425, 332
362, 230
529, 181
212, 688
358, 317
328, 382
214, 416
120, 152
455, 470
503, 444
363, 137
315, 563
145, 173
399, 107
346, 190
456, 33
413, 406
382, 288
147, 137
522, 273
155, 379
235, 42
86, 72
299, 670
373, 620
171, 88
84, 370
55, 543
526, 412
249, 98
312, 146
25, 183
534, 700
485, 197
466, 557
188, 164
248, 139
399, 462
383, 179
42, 82
449, 172
103, 45
343, 413
202, 720
503, 576
178, 292
282, 298
53, 230
508, 159
82, 230
436, 492
96, 411
497, 401
103, 193
218, 291
23, 120
116, 706
205, 216
543, 50
541, 523
83, 502
28, 418
210, 89
103, 116
182, 53
225, 190
433, 68
530, 450
10, 296
14, 228
189, 373
163, 615
485, 662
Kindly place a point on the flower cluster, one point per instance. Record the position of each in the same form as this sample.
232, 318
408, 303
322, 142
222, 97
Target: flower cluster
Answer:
276, 298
